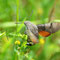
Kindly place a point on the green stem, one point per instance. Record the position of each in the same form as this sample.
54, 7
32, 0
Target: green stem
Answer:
17, 17
17, 11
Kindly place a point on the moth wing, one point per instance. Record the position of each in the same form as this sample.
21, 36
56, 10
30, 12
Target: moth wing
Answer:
32, 37
33, 28
44, 29
47, 29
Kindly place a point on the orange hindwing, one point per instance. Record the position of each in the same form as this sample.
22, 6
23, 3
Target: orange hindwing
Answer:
44, 33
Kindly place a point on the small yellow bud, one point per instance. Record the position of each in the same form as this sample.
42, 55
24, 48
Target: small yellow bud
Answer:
17, 42
32, 59
40, 11
42, 41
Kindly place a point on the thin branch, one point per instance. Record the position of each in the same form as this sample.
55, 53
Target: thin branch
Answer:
52, 12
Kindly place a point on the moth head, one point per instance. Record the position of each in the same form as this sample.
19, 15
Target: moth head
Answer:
27, 24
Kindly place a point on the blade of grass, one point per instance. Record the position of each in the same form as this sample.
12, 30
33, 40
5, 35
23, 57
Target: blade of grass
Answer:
17, 16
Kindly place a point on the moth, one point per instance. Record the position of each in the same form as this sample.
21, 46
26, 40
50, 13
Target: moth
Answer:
33, 31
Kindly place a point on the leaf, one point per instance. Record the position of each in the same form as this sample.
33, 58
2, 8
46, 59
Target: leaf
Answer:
1, 34
55, 21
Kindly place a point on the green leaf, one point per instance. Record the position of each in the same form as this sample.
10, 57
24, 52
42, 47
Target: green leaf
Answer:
55, 21
1, 34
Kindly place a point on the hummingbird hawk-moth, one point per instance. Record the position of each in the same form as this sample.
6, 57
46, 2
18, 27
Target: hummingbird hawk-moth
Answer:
33, 31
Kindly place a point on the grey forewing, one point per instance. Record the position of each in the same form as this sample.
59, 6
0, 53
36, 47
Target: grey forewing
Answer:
33, 28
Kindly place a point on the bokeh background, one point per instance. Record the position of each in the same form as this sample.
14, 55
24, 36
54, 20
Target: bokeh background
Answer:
13, 41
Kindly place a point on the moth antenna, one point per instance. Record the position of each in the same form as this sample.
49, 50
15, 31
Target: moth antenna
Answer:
30, 14
18, 22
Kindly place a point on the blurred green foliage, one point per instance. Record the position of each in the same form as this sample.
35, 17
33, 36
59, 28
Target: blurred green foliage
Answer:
13, 13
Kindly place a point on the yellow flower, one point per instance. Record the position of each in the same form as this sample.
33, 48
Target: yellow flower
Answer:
40, 11
17, 42
32, 59
42, 41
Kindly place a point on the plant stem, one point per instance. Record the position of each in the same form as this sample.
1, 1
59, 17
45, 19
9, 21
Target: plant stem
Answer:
17, 16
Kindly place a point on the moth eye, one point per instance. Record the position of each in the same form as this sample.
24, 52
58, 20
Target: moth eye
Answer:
29, 44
